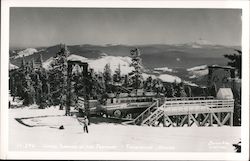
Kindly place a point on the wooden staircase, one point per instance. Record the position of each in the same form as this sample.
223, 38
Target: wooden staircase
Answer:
149, 116
155, 116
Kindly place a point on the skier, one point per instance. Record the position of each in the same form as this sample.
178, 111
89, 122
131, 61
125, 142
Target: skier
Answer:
85, 124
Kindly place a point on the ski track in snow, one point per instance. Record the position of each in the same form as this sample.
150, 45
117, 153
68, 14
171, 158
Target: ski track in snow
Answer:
45, 135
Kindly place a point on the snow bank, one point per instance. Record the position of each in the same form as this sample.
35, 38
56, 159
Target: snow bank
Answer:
26, 52
169, 78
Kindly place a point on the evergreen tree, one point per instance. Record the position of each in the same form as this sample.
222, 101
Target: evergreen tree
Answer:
235, 61
107, 76
117, 75
126, 81
213, 90
148, 84
171, 92
180, 91
188, 91
136, 75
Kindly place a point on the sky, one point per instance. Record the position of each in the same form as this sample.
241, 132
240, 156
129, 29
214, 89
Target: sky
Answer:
34, 27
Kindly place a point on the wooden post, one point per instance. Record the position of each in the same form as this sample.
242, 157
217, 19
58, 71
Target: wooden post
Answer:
188, 119
164, 120
183, 120
211, 119
219, 116
231, 119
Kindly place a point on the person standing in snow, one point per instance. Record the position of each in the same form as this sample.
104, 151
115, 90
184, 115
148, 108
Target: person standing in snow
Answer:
85, 124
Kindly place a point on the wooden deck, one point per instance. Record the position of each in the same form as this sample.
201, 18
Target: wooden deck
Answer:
188, 111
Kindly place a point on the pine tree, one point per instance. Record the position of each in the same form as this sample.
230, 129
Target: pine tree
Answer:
107, 76
117, 75
180, 91
126, 81
188, 91
235, 61
136, 75
148, 84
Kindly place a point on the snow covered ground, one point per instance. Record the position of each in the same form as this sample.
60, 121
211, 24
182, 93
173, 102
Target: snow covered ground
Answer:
32, 129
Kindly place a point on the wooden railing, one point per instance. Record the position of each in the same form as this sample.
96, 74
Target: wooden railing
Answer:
197, 106
213, 103
188, 98
138, 120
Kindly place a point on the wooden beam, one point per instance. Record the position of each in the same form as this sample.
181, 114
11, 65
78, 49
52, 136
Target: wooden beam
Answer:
219, 116
177, 120
204, 115
164, 121
194, 120
205, 119
211, 119
188, 119
226, 118
170, 121
183, 120
231, 119
217, 119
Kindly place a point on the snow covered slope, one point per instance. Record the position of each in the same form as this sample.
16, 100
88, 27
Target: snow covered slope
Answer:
98, 64
169, 78
114, 61
38, 130
201, 67
26, 52
198, 71
12, 66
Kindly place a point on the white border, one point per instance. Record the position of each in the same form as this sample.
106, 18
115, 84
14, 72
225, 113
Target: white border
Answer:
6, 4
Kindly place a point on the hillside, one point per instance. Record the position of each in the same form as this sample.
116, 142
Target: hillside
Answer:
153, 56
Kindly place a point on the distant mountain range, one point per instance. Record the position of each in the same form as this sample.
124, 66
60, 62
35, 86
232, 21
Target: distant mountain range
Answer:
153, 56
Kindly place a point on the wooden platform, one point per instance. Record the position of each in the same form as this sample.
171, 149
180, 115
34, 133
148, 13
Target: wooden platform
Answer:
188, 111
